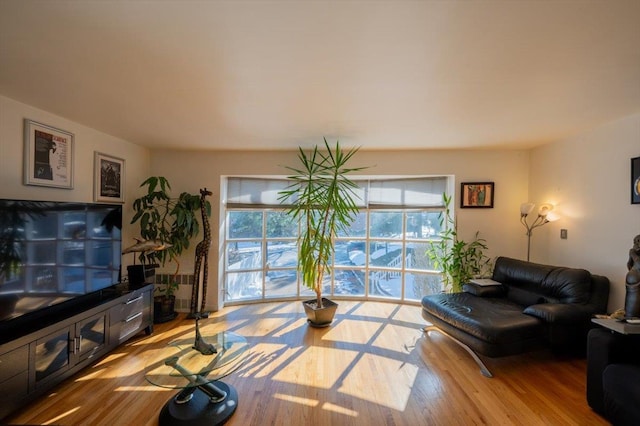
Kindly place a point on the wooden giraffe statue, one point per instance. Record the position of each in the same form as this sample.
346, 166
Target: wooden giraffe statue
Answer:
202, 256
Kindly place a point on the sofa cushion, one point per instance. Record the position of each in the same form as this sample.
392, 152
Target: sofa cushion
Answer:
531, 283
568, 285
493, 320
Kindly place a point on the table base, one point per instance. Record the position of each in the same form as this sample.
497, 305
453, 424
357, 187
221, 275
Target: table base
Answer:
200, 410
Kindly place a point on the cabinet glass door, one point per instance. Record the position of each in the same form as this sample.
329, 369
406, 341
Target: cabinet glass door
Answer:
52, 354
92, 335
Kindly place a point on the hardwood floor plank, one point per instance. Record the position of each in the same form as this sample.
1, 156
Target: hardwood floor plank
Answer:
373, 366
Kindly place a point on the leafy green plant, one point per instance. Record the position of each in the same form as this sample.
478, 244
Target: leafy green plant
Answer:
458, 260
170, 222
323, 197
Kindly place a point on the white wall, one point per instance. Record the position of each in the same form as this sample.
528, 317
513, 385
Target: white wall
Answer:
190, 171
588, 178
87, 140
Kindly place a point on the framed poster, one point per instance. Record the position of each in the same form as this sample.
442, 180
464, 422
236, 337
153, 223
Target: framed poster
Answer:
476, 195
108, 178
635, 180
48, 156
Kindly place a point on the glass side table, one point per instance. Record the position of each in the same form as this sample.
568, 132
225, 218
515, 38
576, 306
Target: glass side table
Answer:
196, 367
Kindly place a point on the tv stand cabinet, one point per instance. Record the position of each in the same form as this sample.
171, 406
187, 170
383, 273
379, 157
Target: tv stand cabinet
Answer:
33, 363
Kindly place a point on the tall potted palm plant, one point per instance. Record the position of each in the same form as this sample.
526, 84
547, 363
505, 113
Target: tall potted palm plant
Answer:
323, 198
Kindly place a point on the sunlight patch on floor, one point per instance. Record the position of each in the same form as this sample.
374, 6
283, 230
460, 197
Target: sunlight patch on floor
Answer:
297, 400
338, 409
266, 358
291, 327
229, 309
176, 330
101, 370
57, 419
94, 375
288, 308
410, 313
156, 356
264, 327
352, 331
254, 328
374, 372
257, 309
383, 310
110, 358
317, 367
208, 328
397, 338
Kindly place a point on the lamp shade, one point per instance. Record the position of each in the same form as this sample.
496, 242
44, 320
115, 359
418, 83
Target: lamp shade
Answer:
526, 208
545, 209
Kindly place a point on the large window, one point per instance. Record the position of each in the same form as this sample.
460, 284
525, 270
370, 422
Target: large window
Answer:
382, 256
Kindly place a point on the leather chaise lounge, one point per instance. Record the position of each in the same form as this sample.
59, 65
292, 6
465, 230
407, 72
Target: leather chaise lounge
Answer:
535, 306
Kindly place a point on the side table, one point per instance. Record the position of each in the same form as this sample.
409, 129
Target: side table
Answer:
617, 326
196, 368
614, 342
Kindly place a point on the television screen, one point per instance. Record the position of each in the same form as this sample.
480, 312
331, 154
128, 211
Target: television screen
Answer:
51, 252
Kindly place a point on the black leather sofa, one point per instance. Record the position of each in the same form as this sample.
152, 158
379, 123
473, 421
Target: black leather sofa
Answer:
613, 376
535, 306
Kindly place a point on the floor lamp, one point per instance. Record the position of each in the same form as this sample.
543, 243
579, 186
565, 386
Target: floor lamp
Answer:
525, 210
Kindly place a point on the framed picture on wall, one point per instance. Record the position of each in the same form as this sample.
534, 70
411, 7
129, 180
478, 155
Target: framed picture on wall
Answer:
635, 180
476, 195
48, 156
108, 179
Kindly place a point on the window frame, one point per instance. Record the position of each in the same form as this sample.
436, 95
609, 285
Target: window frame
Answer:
301, 292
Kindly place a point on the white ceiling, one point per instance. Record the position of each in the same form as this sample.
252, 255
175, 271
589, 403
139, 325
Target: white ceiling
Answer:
278, 74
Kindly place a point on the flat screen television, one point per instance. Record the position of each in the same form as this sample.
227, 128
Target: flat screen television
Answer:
54, 252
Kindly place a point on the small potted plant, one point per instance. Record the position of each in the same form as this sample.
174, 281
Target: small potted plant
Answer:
169, 223
323, 197
458, 260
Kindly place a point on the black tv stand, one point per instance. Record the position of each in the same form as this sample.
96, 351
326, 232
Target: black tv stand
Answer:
43, 350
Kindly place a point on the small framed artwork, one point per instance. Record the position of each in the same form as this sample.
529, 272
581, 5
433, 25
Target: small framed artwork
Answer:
108, 179
48, 156
635, 180
476, 195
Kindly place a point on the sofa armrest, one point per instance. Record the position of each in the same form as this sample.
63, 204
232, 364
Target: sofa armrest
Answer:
484, 291
561, 313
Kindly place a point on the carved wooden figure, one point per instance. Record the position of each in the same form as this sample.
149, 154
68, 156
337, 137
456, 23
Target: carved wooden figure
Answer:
202, 258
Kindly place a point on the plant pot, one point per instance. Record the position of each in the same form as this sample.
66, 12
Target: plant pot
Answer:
320, 317
141, 274
164, 309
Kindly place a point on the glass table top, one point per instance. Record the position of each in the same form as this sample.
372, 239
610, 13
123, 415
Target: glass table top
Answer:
182, 366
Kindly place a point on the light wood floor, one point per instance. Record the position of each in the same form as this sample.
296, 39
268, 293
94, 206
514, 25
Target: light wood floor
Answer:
373, 366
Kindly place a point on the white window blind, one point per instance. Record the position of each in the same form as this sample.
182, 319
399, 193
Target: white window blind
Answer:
254, 191
406, 192
413, 192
